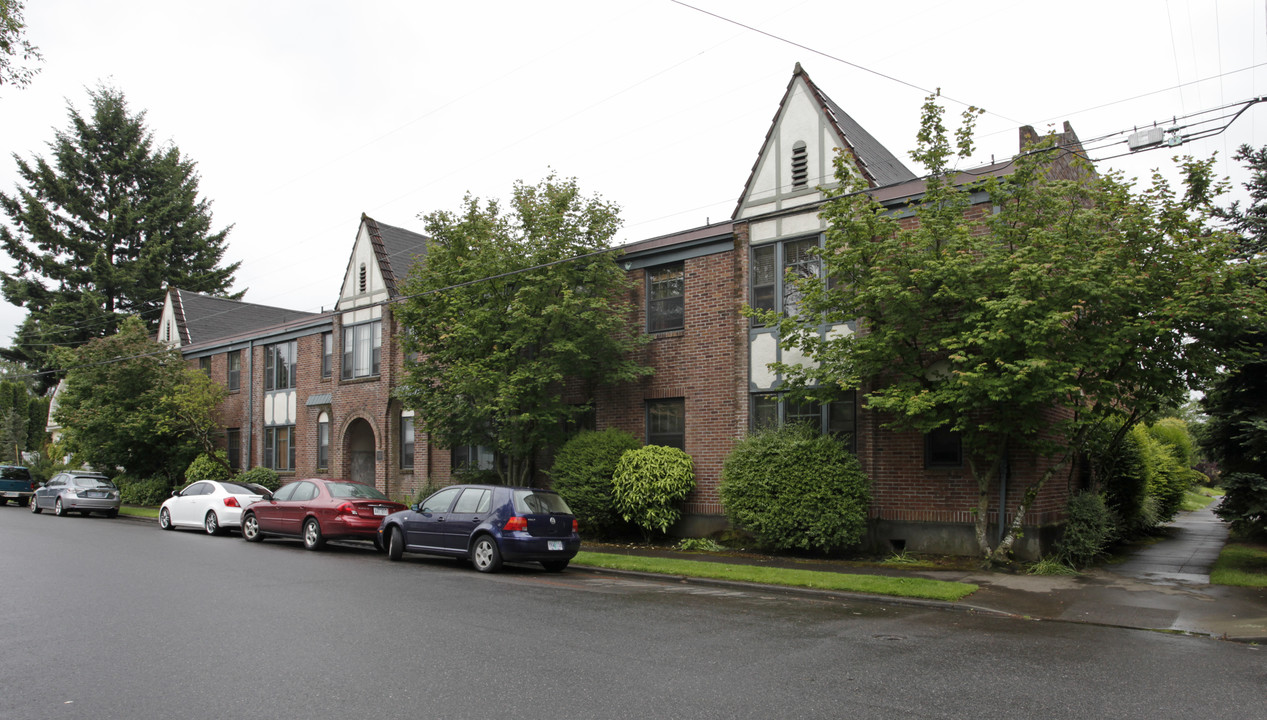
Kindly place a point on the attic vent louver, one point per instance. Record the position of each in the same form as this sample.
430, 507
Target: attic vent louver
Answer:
800, 165
362, 277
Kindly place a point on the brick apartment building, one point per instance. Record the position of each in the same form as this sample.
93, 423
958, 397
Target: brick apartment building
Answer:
310, 394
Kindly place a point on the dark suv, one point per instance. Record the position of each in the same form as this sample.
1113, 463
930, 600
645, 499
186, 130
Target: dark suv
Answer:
15, 484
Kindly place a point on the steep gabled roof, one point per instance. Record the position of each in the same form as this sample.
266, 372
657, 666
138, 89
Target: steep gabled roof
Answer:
202, 318
877, 165
396, 248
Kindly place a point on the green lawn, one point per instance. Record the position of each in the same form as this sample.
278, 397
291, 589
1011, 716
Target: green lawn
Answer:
1242, 564
139, 511
1199, 497
874, 584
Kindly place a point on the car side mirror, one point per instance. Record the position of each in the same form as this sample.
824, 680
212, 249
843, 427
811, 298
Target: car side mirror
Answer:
175, 493
414, 507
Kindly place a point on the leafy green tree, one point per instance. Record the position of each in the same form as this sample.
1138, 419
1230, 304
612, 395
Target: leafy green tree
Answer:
14, 46
510, 307
1077, 300
118, 409
99, 232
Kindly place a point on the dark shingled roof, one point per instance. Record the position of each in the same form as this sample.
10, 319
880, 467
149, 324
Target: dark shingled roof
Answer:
202, 318
396, 248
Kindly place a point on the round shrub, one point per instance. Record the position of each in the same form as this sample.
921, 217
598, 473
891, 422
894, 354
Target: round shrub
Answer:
204, 467
260, 476
582, 475
149, 492
1088, 529
793, 488
1123, 475
1168, 480
648, 484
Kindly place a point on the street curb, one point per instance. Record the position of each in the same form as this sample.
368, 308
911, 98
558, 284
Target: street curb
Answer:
841, 594
907, 602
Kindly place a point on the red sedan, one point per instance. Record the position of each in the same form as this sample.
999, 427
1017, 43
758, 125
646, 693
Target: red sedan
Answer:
317, 510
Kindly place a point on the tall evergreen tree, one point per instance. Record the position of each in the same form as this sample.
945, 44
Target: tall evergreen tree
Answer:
100, 230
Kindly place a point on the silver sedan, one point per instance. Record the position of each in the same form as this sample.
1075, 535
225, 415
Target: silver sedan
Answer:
82, 492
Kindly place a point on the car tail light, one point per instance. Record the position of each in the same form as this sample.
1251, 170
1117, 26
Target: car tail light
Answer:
231, 501
516, 524
346, 508
575, 526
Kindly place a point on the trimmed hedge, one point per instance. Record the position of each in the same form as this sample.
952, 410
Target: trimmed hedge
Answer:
582, 475
150, 492
649, 483
1088, 530
793, 488
205, 468
260, 476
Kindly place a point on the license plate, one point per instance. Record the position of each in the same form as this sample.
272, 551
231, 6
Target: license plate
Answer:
554, 544
380, 511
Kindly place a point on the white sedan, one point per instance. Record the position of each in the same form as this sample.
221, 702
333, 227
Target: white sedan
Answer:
209, 504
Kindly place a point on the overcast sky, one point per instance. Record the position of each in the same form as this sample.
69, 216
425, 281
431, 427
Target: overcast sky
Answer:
303, 115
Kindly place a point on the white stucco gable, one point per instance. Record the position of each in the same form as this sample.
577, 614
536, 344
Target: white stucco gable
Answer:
797, 157
168, 326
363, 283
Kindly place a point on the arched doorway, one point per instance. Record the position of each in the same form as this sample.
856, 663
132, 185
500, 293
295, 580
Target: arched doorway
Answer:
359, 444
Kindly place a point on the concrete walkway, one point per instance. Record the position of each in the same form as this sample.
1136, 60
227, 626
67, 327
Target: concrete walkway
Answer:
1186, 557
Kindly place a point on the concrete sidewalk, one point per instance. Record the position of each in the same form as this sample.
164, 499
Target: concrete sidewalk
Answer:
1164, 586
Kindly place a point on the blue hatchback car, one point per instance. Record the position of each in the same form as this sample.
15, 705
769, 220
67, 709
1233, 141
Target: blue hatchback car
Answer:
486, 524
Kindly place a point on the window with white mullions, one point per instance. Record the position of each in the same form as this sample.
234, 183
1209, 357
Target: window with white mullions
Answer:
666, 422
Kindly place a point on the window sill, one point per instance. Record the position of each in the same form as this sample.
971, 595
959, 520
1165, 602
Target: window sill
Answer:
666, 334
354, 381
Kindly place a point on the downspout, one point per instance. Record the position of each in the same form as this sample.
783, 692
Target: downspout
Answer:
1003, 470
250, 400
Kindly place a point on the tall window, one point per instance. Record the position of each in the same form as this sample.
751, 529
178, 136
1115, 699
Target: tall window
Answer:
362, 346
327, 354
204, 364
472, 457
233, 438
838, 417
773, 264
323, 441
279, 447
666, 423
235, 370
666, 293
279, 366
406, 441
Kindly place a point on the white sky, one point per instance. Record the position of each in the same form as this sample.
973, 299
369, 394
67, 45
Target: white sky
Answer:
303, 115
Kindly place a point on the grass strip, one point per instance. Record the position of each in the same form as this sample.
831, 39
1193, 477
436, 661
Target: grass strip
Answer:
875, 584
139, 511
1241, 565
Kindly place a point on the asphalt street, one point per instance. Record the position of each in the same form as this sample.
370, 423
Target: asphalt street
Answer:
117, 619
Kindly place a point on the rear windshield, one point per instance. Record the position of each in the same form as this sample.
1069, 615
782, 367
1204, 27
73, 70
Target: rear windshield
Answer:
536, 502
236, 489
91, 482
14, 473
354, 490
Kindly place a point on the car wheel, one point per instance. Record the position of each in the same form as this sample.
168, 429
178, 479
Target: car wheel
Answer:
251, 528
395, 544
211, 523
35, 507
554, 565
312, 534
58, 510
165, 519
485, 555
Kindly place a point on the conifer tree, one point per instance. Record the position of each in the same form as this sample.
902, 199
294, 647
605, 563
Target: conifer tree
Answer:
100, 229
